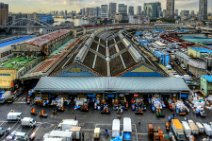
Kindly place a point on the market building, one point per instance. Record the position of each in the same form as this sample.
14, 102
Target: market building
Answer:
44, 44
6, 45
25, 55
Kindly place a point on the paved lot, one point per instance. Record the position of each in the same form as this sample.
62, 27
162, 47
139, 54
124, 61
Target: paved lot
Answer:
88, 120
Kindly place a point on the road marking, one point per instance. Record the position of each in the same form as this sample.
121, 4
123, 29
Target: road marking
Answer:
19, 102
144, 134
8, 121
2, 123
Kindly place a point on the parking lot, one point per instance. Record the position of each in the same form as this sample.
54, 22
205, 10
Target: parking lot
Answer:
88, 120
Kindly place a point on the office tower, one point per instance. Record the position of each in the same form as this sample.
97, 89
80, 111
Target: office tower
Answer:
170, 8
104, 11
4, 10
139, 10
176, 12
203, 12
152, 10
112, 9
131, 10
122, 9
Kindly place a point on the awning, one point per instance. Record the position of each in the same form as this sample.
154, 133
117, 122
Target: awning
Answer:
112, 84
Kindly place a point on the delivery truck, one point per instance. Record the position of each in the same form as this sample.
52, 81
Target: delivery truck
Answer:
194, 128
28, 121
178, 129
187, 128
65, 135
116, 128
127, 129
11, 116
66, 124
53, 139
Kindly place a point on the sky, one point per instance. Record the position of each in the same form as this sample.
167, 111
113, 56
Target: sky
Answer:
69, 5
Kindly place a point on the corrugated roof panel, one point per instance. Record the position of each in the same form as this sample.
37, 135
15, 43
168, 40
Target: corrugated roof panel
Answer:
14, 40
122, 84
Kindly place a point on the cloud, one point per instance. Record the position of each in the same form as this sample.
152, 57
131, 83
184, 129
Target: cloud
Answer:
49, 5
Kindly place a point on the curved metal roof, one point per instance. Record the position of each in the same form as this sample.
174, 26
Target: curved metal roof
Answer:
116, 84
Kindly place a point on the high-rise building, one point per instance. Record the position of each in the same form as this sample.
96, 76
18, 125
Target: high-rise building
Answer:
164, 13
4, 11
91, 12
203, 12
104, 11
139, 10
122, 9
98, 12
176, 12
83, 11
170, 8
131, 10
112, 10
184, 14
152, 10
192, 13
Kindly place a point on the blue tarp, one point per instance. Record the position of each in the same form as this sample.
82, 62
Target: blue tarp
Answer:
117, 139
110, 95
91, 95
143, 42
157, 30
184, 96
142, 74
164, 58
127, 136
138, 33
14, 40
75, 74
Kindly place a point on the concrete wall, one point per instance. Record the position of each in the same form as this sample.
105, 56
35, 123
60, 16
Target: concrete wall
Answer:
197, 71
205, 86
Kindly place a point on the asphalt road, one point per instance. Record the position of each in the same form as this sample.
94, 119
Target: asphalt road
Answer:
88, 120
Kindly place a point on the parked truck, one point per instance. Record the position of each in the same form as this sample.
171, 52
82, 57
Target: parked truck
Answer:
116, 128
66, 124
14, 116
201, 127
187, 129
28, 121
194, 128
178, 130
127, 129
208, 130
6, 96
65, 135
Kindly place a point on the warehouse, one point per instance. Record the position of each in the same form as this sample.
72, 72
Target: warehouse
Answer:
44, 44
109, 53
6, 45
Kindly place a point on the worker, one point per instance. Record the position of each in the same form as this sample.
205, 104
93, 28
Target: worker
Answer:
83, 136
106, 132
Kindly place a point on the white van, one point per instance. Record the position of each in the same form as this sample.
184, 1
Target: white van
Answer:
14, 116
28, 121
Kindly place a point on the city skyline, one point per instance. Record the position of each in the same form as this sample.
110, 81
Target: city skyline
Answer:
51, 5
